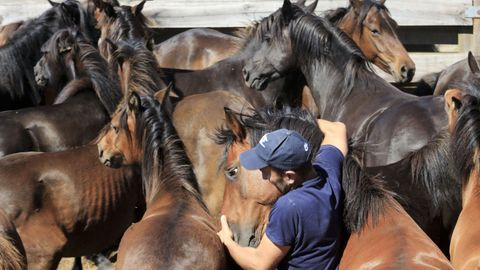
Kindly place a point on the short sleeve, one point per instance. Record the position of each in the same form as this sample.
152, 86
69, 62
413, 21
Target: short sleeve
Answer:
282, 223
330, 159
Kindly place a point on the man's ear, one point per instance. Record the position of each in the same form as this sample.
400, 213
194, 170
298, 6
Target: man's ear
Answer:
291, 177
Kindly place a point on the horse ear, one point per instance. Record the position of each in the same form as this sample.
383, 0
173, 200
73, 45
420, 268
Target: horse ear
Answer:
356, 4
453, 99
137, 10
381, 2
301, 2
109, 10
233, 124
53, 4
287, 12
167, 103
472, 63
133, 102
311, 8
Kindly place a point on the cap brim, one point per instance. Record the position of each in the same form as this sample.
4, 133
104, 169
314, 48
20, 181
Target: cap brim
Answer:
251, 161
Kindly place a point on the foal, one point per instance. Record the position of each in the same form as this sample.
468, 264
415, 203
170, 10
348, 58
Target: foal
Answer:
464, 124
176, 231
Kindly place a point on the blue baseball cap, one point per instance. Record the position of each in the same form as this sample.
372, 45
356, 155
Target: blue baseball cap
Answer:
282, 149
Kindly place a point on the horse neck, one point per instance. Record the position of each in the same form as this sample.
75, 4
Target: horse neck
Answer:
471, 190
171, 175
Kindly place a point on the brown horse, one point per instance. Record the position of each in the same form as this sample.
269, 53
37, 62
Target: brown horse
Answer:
464, 124
176, 231
248, 199
393, 127
7, 31
119, 23
383, 235
17, 84
67, 201
71, 60
12, 253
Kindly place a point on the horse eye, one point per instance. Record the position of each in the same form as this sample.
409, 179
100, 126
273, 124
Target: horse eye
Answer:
115, 129
231, 173
375, 32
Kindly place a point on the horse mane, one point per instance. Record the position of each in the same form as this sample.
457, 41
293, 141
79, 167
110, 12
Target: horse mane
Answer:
20, 54
10, 257
465, 142
268, 119
335, 16
94, 69
430, 170
166, 166
365, 195
146, 77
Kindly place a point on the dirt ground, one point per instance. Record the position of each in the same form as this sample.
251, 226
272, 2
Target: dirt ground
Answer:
66, 264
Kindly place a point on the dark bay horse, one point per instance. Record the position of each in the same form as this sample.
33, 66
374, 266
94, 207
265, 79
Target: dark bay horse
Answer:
12, 253
176, 232
393, 127
464, 124
67, 201
88, 97
17, 84
120, 23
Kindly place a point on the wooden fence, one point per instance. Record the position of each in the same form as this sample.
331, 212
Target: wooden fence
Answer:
437, 33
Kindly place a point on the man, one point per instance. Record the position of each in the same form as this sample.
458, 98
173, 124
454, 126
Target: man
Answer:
305, 228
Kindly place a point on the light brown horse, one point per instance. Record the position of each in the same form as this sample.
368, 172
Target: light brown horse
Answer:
176, 231
68, 202
464, 124
12, 253
383, 235
7, 31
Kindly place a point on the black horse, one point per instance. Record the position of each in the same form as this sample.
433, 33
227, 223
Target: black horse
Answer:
90, 96
17, 58
398, 133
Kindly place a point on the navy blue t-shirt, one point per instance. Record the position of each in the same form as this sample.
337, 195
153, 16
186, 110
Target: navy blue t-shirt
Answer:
309, 218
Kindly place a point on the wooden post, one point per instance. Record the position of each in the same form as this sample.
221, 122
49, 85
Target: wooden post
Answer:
476, 30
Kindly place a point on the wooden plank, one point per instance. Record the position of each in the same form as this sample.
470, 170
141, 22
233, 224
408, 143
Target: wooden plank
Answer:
237, 13
476, 31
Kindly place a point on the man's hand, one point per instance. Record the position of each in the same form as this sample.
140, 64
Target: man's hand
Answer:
225, 233
335, 134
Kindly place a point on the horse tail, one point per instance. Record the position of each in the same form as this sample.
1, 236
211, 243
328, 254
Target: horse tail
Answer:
365, 194
10, 256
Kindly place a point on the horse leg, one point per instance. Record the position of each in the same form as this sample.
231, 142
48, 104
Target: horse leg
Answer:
77, 264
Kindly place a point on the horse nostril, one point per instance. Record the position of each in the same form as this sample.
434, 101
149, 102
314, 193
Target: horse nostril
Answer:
100, 153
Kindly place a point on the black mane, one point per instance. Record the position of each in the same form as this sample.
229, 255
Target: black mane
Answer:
466, 140
92, 66
166, 166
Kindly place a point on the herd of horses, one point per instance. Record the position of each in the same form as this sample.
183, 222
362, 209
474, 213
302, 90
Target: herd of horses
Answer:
107, 139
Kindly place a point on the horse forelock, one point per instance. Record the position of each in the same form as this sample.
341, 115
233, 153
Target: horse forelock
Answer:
145, 74
465, 144
166, 166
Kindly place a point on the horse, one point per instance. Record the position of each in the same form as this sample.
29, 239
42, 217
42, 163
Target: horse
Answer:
395, 128
17, 84
176, 231
67, 201
12, 252
464, 114
68, 57
120, 23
